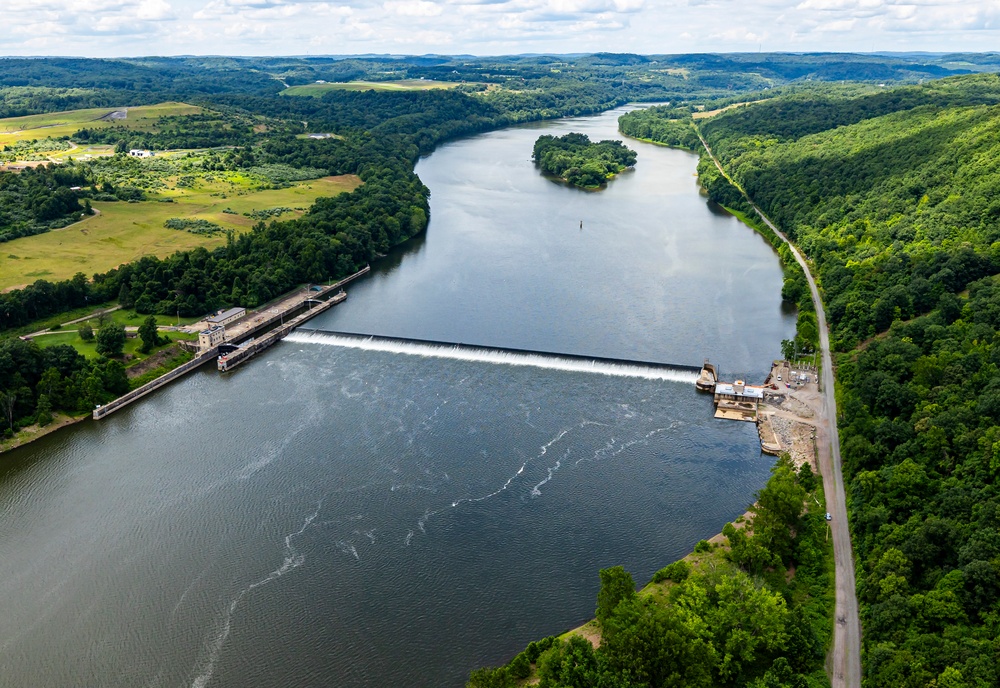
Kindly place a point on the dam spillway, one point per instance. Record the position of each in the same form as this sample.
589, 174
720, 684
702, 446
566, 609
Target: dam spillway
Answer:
456, 351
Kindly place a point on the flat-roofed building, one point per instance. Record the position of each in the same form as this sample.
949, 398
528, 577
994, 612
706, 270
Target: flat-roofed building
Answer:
738, 391
211, 337
223, 318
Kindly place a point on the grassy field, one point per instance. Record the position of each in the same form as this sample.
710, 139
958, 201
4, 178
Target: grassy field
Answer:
402, 85
123, 232
57, 124
89, 349
130, 318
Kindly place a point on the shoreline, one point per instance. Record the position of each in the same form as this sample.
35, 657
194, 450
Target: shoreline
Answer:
26, 436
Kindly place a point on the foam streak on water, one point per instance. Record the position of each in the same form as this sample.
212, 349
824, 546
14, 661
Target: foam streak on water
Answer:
493, 356
292, 560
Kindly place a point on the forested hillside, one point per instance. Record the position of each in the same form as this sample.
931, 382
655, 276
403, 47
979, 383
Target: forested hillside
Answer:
894, 199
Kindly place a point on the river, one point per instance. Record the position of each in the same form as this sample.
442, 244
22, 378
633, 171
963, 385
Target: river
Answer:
335, 516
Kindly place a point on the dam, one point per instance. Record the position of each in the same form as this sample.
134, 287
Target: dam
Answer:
457, 351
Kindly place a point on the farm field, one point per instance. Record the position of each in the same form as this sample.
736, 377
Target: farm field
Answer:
122, 232
57, 124
402, 85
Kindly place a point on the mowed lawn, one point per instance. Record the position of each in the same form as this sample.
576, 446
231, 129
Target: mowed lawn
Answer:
124, 232
89, 349
401, 85
56, 124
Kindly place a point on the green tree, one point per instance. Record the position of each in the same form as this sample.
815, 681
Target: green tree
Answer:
86, 332
8, 403
50, 385
788, 349
114, 379
125, 296
520, 666
616, 585
43, 410
807, 479
748, 624
149, 334
778, 508
656, 646
111, 340
92, 392
490, 678
569, 664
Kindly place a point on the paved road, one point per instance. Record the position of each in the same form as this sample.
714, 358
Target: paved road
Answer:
844, 662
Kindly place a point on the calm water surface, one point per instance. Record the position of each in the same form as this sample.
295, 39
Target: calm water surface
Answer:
330, 516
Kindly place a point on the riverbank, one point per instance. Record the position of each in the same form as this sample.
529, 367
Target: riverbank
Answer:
29, 434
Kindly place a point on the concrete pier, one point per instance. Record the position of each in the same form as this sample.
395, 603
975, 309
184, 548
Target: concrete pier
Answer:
252, 347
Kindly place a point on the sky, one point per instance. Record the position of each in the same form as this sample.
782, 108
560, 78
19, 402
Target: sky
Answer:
121, 28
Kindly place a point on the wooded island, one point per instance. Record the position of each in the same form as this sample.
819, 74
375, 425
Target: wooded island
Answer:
577, 161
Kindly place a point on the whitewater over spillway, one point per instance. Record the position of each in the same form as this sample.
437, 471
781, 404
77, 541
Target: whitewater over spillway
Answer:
499, 356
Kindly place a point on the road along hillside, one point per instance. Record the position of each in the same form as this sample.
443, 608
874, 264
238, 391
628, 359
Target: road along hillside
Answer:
844, 662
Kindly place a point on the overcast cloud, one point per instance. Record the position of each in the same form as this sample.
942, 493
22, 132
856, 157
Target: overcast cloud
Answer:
103, 28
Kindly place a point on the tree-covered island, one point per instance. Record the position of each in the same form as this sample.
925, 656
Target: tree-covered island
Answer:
577, 161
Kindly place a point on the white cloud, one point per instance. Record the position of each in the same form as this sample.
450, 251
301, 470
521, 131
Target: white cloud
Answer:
154, 10
137, 27
414, 8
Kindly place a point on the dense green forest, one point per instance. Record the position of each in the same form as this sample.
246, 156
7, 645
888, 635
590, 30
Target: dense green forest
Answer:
575, 159
893, 197
39, 381
670, 126
756, 612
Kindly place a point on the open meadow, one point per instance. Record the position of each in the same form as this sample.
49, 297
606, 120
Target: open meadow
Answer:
122, 232
57, 124
401, 85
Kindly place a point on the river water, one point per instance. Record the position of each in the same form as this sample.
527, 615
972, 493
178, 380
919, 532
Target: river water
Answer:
336, 516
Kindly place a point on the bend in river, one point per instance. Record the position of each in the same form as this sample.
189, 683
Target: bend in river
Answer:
334, 515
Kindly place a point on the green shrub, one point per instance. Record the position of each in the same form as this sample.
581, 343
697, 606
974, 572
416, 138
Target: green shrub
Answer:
675, 572
193, 226
703, 546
